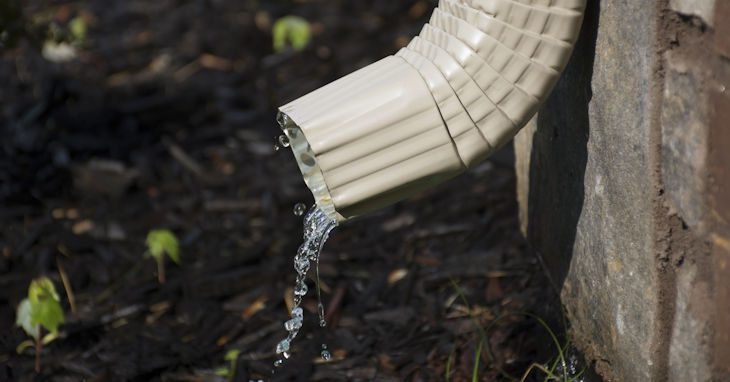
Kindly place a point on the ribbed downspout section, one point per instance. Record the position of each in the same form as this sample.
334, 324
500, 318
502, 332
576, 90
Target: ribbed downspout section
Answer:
473, 77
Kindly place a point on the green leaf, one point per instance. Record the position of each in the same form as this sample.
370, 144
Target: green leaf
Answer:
23, 318
42, 288
161, 242
221, 372
24, 345
293, 30
232, 355
78, 28
477, 357
45, 306
50, 337
49, 315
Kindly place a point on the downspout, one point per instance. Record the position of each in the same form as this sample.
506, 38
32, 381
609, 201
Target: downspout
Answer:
474, 76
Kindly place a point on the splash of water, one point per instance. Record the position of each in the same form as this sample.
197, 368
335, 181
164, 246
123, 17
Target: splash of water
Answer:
282, 142
317, 227
325, 353
573, 366
300, 209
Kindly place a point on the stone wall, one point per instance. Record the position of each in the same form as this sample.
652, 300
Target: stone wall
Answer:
625, 194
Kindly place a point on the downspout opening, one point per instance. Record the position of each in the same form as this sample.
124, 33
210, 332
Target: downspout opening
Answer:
308, 166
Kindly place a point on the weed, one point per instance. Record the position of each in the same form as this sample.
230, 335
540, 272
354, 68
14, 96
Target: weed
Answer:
551, 374
162, 242
230, 371
40, 310
293, 30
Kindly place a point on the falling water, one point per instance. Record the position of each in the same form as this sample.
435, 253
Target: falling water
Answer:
300, 209
282, 142
317, 227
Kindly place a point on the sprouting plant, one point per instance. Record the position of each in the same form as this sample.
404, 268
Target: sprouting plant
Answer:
558, 371
477, 357
161, 242
78, 29
230, 371
293, 30
40, 311
450, 364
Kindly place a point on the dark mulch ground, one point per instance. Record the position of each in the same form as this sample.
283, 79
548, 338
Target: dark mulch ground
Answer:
166, 119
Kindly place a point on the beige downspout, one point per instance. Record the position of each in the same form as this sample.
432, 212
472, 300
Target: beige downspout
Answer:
463, 88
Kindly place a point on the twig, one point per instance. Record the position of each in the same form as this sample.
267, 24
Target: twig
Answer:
184, 159
335, 304
67, 286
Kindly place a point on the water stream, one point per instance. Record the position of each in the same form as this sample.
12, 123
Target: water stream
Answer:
317, 227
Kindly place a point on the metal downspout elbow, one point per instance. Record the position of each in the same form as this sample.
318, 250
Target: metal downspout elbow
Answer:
462, 88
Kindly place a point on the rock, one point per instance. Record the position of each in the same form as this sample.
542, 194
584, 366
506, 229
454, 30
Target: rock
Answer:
722, 33
690, 356
623, 182
585, 189
685, 132
103, 177
704, 9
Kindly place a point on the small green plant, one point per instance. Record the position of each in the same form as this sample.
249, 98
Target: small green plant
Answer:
293, 30
558, 371
450, 364
161, 242
40, 311
477, 357
78, 29
230, 371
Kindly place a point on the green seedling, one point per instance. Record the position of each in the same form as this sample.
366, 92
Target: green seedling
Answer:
293, 30
477, 357
161, 242
550, 374
229, 372
449, 364
40, 311
78, 29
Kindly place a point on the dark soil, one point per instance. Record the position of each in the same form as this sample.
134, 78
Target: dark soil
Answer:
166, 119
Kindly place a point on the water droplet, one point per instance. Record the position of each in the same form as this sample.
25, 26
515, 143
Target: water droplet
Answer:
301, 289
286, 355
282, 346
301, 265
297, 312
326, 355
307, 160
300, 209
278, 362
293, 324
320, 311
283, 141
277, 148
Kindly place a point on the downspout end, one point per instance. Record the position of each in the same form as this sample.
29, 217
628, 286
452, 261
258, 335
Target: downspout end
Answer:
307, 163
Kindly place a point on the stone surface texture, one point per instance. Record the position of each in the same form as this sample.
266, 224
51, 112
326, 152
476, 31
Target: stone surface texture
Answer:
719, 206
704, 9
684, 139
722, 33
585, 193
690, 353
624, 190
